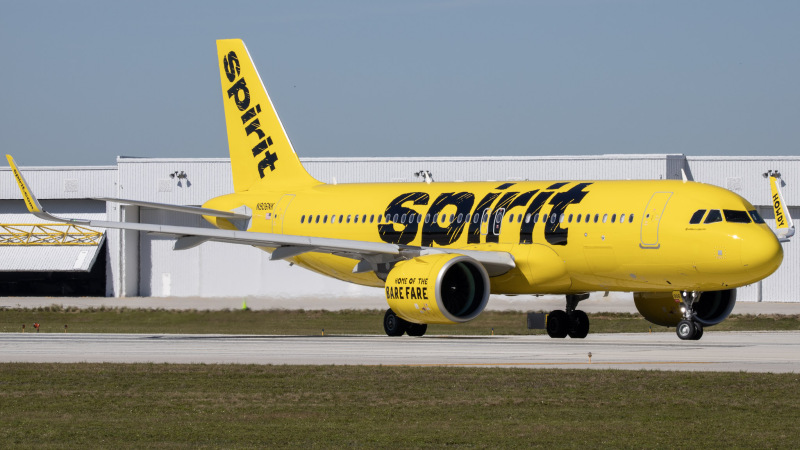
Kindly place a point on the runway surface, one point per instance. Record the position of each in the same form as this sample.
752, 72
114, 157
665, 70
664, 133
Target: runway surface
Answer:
717, 351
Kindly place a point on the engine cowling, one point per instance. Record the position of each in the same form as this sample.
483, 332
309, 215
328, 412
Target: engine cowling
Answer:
661, 309
439, 288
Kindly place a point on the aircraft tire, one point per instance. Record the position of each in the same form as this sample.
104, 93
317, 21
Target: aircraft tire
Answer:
579, 325
558, 324
417, 329
686, 330
698, 332
393, 325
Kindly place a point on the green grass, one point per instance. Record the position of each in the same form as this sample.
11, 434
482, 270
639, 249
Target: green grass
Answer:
146, 405
122, 320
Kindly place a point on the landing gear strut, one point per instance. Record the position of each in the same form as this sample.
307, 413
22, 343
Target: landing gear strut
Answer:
395, 326
688, 329
572, 322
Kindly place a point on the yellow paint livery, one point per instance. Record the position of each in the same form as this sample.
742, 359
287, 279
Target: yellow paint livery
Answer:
439, 249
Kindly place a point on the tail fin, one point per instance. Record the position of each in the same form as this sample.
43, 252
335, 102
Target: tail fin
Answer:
261, 153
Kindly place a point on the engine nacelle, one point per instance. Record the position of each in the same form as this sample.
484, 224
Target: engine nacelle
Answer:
439, 288
661, 309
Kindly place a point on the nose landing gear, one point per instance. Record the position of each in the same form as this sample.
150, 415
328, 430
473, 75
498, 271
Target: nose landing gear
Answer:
688, 329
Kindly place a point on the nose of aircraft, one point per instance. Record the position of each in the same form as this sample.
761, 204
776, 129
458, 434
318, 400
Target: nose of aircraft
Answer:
762, 254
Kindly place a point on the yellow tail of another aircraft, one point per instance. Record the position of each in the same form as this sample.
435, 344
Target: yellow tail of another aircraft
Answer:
262, 156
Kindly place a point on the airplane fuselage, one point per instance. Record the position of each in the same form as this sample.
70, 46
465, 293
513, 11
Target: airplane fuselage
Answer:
565, 237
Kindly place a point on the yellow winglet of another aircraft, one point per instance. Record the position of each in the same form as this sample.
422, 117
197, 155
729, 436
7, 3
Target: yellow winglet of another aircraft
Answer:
783, 220
30, 201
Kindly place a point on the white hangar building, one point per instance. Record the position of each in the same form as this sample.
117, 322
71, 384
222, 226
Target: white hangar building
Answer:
44, 259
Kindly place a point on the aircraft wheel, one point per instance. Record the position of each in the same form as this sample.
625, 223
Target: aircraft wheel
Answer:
393, 325
558, 324
579, 325
417, 329
698, 332
686, 330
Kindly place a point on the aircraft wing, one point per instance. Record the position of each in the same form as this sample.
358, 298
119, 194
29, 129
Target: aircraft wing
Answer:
370, 255
179, 208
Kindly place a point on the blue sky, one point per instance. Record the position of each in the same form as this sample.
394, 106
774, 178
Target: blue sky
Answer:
85, 81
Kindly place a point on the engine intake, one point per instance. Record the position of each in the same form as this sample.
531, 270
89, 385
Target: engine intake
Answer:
439, 288
661, 309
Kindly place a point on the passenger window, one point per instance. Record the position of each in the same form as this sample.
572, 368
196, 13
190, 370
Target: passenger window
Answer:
302, 218
364, 218
578, 219
485, 217
630, 218
613, 218
570, 218
536, 218
371, 218
510, 218
756, 217
396, 217
731, 215
325, 219
544, 218
317, 221
622, 218
349, 216
355, 218
697, 217
528, 218
561, 218
605, 218
713, 216
403, 218
552, 218
460, 216
452, 218
596, 217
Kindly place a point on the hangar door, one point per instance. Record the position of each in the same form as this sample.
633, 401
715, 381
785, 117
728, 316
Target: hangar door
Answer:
52, 260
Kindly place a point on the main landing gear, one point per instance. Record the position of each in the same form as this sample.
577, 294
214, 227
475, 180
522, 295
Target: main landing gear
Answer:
395, 326
572, 322
688, 329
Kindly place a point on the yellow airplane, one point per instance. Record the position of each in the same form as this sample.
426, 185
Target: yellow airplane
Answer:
439, 249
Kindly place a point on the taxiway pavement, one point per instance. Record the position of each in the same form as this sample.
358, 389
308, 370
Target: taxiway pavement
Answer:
717, 351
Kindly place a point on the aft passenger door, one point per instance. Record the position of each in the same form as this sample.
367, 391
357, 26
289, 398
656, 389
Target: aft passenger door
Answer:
651, 219
280, 212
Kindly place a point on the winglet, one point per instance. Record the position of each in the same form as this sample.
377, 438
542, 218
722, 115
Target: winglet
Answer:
783, 220
31, 202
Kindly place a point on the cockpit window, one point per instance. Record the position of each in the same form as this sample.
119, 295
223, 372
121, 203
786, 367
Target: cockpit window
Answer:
714, 216
731, 215
697, 217
756, 217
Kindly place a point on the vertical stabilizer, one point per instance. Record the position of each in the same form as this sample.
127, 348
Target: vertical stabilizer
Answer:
262, 156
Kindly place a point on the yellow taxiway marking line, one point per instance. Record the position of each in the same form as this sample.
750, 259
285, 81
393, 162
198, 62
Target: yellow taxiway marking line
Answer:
607, 363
